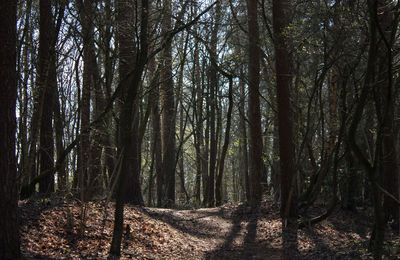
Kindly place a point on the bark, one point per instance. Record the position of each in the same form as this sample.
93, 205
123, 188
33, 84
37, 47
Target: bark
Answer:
218, 184
46, 155
275, 168
206, 153
283, 64
256, 163
371, 169
156, 162
213, 89
182, 123
27, 35
244, 163
156, 139
92, 176
59, 134
109, 61
198, 115
129, 118
9, 235
168, 112
387, 26
131, 86
87, 31
96, 180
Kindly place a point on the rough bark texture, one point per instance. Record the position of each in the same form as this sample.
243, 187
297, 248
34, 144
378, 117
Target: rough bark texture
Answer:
87, 30
283, 64
59, 133
218, 183
198, 104
254, 112
130, 81
154, 100
9, 234
46, 71
213, 89
91, 84
244, 161
387, 24
168, 113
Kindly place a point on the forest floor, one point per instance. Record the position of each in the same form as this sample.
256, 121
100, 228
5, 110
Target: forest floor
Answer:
54, 230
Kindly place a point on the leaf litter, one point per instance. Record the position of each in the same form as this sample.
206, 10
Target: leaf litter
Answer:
227, 232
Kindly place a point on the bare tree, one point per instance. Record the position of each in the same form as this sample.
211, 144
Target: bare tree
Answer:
283, 64
9, 231
256, 163
130, 81
168, 111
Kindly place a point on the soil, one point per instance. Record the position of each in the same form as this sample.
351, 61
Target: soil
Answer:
55, 230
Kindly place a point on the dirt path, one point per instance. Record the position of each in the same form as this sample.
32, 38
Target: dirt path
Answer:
229, 232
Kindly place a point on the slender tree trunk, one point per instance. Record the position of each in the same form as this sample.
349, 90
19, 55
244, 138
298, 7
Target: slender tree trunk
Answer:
283, 64
213, 89
156, 139
256, 163
168, 112
218, 188
76, 179
46, 185
59, 134
244, 162
23, 127
131, 86
9, 235
96, 179
198, 112
388, 23
87, 31
206, 154
109, 60
182, 124
91, 83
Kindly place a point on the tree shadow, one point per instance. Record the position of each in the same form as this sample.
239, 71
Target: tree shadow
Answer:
250, 247
191, 225
322, 246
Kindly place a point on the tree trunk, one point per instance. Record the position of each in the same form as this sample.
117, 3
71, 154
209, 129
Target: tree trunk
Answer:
23, 122
213, 89
387, 21
283, 65
156, 139
59, 134
198, 115
256, 163
130, 83
218, 184
206, 152
9, 230
244, 163
168, 112
87, 31
46, 185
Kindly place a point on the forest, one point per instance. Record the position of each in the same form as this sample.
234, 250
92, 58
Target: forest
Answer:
181, 129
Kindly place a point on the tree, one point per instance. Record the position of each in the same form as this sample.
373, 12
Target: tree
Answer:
9, 230
45, 89
256, 163
283, 65
130, 81
85, 10
212, 103
168, 111
218, 183
387, 23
